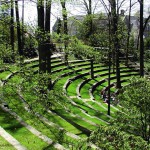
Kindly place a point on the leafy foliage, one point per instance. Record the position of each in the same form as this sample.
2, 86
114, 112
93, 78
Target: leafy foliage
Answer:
109, 138
30, 41
80, 50
93, 30
134, 116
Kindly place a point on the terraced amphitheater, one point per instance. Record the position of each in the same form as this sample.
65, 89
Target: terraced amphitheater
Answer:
67, 117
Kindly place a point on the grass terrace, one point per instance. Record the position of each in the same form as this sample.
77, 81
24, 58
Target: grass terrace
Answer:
67, 121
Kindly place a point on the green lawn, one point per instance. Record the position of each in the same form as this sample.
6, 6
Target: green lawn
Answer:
20, 133
73, 119
4, 145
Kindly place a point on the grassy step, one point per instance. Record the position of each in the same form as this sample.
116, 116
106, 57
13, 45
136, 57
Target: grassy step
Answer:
60, 121
30, 119
75, 109
51, 116
80, 102
35, 63
81, 125
84, 92
57, 120
5, 145
71, 87
81, 114
123, 77
71, 90
61, 83
100, 87
102, 107
64, 119
76, 124
68, 75
19, 132
3, 75
91, 111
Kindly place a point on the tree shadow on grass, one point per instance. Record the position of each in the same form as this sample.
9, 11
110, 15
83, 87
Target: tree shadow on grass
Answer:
8, 122
49, 147
79, 127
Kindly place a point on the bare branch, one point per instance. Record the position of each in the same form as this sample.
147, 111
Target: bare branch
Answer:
146, 21
105, 6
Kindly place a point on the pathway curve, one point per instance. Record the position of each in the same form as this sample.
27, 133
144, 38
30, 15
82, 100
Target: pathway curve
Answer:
11, 139
36, 58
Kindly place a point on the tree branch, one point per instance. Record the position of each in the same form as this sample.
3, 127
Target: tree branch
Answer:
146, 22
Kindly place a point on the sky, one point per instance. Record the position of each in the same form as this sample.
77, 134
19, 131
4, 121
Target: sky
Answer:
30, 15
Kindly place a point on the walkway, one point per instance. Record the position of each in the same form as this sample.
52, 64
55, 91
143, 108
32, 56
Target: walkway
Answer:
54, 55
11, 140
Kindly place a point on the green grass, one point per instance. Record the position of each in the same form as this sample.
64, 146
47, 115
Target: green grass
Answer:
96, 113
37, 124
20, 133
84, 92
91, 111
76, 120
97, 107
5, 145
32, 120
15, 79
4, 74
71, 90
102, 108
83, 115
62, 123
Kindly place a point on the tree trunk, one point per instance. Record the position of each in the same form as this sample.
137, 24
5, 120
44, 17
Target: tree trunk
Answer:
138, 41
41, 47
23, 25
115, 40
48, 47
88, 6
12, 30
91, 18
18, 30
109, 69
92, 69
141, 41
59, 26
48, 44
128, 37
65, 27
64, 14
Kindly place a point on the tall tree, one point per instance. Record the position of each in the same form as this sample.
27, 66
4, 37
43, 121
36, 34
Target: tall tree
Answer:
114, 23
23, 25
12, 29
18, 29
114, 10
109, 63
129, 30
65, 27
88, 6
44, 45
64, 14
40, 10
48, 45
141, 39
